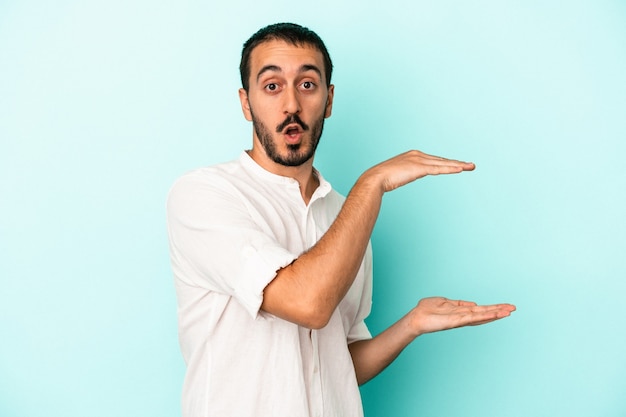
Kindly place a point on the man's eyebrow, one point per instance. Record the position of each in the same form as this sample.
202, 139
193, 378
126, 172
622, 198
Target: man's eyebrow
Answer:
267, 68
310, 67
276, 68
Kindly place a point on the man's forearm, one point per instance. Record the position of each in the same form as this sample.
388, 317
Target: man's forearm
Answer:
308, 291
372, 356
431, 314
323, 275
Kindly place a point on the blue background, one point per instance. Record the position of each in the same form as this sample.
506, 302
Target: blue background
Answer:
104, 103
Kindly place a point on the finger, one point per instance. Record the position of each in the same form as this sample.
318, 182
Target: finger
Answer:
504, 308
436, 157
463, 303
476, 315
439, 161
491, 314
451, 162
443, 169
509, 307
487, 316
479, 323
436, 162
489, 307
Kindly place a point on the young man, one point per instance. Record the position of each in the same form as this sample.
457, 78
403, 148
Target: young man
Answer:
273, 268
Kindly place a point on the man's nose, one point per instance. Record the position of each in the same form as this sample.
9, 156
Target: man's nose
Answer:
291, 103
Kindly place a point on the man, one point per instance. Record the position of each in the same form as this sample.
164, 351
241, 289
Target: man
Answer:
273, 268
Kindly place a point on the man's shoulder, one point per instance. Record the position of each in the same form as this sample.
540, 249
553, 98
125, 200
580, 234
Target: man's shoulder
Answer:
210, 174
208, 179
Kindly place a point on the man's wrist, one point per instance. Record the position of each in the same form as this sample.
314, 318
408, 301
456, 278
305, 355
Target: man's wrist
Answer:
371, 181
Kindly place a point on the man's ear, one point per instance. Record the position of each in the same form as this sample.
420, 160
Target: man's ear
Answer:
329, 101
245, 104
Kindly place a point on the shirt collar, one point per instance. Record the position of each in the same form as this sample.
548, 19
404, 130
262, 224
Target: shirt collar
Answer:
251, 165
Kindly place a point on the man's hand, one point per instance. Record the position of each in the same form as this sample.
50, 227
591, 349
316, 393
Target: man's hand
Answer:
412, 165
308, 291
433, 314
437, 313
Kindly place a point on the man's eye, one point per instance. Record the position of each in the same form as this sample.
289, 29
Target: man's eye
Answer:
271, 87
308, 85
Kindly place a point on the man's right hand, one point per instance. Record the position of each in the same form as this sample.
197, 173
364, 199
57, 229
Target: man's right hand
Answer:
308, 290
410, 166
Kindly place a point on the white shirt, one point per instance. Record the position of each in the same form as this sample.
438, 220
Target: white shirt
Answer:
231, 228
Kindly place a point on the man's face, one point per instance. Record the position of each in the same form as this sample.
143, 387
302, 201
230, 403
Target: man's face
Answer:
287, 102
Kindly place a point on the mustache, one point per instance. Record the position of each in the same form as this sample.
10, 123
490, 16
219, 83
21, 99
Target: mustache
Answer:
293, 118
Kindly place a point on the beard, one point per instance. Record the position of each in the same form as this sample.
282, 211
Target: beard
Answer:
297, 154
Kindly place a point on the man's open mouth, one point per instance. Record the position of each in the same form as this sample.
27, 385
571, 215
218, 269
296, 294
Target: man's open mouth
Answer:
292, 132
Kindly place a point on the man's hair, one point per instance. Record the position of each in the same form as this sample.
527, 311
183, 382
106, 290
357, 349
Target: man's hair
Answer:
288, 32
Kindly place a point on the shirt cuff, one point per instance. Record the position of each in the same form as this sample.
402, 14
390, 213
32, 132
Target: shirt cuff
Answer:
359, 332
258, 270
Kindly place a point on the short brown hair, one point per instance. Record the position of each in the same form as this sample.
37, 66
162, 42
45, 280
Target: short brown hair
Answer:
290, 33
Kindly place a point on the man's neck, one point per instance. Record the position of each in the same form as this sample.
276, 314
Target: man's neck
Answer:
304, 174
